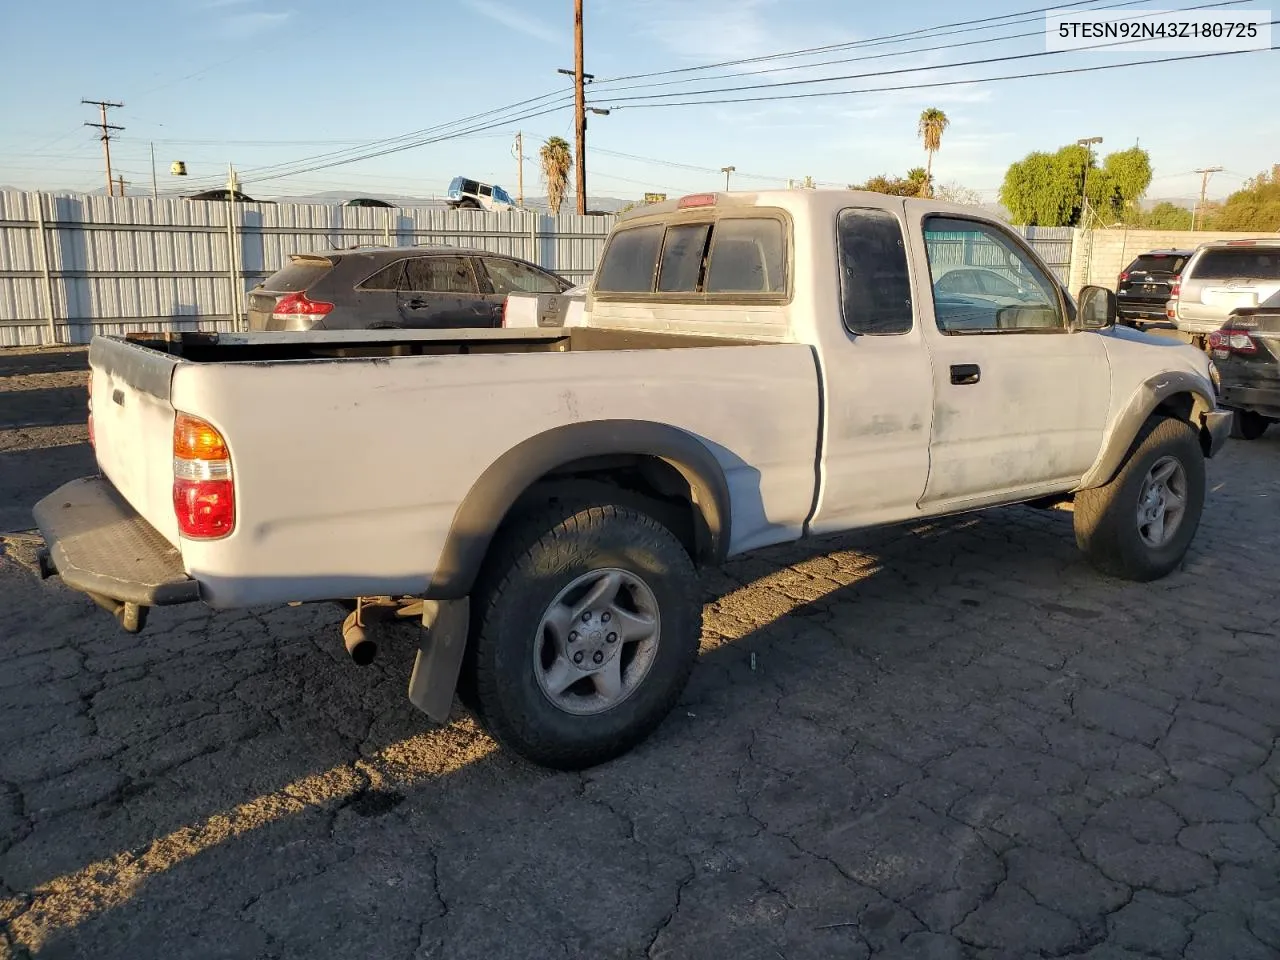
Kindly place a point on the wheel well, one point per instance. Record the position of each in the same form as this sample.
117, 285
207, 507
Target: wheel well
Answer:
647, 483
1186, 407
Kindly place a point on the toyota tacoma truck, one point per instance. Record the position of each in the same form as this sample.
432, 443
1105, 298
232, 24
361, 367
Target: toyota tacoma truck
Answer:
753, 368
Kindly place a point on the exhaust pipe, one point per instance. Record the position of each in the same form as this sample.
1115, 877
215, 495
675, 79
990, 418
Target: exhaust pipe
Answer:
359, 646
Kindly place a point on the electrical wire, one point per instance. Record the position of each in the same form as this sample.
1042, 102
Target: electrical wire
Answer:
942, 83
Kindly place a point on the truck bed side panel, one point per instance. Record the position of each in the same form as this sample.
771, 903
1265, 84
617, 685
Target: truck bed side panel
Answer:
348, 472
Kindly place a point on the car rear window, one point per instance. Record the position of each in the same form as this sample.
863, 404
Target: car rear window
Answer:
300, 274
1158, 263
1246, 263
747, 256
630, 261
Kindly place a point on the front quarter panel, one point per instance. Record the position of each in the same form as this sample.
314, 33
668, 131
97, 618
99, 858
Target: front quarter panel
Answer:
1146, 371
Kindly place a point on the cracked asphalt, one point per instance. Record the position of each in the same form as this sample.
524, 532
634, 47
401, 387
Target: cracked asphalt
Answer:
952, 740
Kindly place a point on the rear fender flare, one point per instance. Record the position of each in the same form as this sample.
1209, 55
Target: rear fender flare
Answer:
1145, 401
509, 477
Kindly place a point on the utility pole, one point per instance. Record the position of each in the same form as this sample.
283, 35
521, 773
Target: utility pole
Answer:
105, 127
579, 107
1205, 174
520, 169
726, 171
1087, 143
121, 181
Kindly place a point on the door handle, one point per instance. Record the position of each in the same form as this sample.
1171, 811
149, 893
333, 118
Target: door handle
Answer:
416, 303
963, 374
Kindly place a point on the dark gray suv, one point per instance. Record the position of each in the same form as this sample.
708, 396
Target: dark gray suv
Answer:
389, 287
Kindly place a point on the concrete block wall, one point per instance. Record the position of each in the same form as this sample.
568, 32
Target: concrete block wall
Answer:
1097, 257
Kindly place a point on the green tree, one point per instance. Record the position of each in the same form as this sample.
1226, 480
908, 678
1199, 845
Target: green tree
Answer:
556, 162
1256, 206
1046, 189
911, 185
933, 124
1166, 216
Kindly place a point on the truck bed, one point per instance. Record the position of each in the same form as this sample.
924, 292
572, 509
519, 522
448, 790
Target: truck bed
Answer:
267, 347
352, 452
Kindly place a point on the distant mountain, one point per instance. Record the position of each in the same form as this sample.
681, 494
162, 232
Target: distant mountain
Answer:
1189, 203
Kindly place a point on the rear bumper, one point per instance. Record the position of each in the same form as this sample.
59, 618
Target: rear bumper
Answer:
1218, 425
99, 545
1263, 400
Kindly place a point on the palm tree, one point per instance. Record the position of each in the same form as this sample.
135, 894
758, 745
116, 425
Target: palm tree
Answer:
918, 178
557, 161
932, 124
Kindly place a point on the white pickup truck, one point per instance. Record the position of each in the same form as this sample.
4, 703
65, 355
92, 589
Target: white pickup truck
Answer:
753, 368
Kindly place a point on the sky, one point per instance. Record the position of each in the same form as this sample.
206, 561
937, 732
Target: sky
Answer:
267, 84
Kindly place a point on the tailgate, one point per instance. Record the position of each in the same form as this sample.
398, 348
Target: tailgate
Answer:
133, 426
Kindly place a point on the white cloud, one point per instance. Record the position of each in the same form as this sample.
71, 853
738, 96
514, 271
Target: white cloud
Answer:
513, 19
249, 24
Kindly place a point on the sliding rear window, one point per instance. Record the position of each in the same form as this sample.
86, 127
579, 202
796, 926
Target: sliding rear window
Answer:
721, 258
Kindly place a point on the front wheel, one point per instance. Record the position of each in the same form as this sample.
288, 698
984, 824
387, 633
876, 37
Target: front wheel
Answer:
1139, 526
588, 624
1248, 425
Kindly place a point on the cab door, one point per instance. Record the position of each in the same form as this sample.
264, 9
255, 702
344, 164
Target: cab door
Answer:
1019, 399
877, 382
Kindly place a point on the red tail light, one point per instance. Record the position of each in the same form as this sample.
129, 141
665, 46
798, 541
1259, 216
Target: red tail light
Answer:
296, 305
1123, 277
1175, 285
1229, 340
697, 200
204, 494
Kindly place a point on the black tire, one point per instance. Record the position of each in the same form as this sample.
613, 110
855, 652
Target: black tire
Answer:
1106, 518
528, 566
1248, 425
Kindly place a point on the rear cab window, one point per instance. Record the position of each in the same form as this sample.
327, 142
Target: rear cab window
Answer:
301, 273
714, 256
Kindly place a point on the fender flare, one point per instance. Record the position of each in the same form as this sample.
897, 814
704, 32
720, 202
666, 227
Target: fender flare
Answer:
1142, 404
509, 477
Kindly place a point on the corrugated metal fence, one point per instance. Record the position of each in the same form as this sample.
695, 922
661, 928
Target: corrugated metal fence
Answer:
72, 266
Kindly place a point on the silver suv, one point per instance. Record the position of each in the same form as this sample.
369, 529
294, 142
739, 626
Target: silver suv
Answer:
1222, 276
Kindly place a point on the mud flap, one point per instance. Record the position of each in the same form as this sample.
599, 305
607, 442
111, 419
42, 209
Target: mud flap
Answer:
435, 670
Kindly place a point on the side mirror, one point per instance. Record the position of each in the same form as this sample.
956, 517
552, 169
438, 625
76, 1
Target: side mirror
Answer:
1096, 309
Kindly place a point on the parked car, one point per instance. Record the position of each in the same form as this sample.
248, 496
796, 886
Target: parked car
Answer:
1222, 276
388, 287
368, 202
755, 368
467, 194
1247, 351
1143, 287
226, 195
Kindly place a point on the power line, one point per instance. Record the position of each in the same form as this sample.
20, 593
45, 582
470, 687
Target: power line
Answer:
942, 83
1036, 54
896, 53
851, 44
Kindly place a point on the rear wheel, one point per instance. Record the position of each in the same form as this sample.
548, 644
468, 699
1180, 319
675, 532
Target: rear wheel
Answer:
587, 627
1139, 526
1248, 425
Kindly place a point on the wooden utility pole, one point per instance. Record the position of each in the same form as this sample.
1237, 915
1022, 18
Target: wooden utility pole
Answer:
106, 129
1205, 173
120, 180
520, 169
579, 108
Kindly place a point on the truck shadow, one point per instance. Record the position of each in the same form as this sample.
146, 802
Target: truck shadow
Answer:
252, 738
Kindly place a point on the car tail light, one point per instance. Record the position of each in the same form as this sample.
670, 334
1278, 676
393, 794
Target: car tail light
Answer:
1123, 277
204, 496
296, 306
1229, 340
1175, 285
